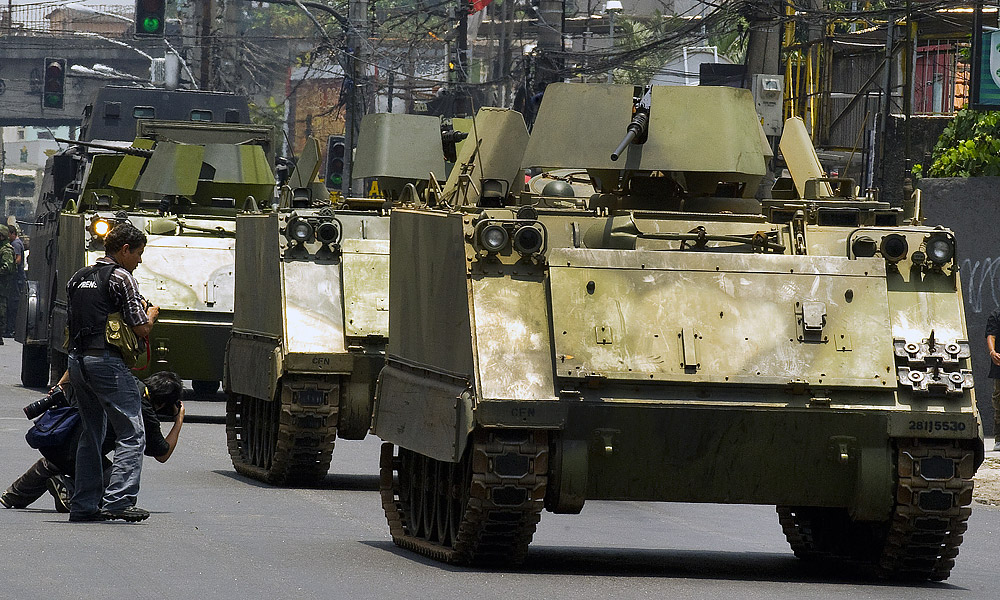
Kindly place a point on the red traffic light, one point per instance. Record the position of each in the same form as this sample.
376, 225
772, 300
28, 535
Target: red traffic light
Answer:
54, 83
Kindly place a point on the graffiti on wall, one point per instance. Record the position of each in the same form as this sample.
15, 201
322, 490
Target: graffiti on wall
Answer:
980, 279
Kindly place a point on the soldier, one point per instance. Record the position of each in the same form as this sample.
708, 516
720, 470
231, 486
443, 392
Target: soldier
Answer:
8, 280
18, 283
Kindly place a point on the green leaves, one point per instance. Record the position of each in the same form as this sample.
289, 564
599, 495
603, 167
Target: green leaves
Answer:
968, 147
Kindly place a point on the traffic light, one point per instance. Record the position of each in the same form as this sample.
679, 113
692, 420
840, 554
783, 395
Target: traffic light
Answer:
335, 162
54, 83
149, 18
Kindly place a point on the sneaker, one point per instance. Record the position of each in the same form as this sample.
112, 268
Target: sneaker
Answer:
5, 502
133, 514
60, 493
86, 517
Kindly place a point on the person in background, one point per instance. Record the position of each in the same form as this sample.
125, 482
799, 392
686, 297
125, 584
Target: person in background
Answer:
992, 332
17, 285
7, 280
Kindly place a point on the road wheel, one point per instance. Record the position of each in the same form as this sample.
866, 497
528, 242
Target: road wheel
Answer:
34, 366
205, 388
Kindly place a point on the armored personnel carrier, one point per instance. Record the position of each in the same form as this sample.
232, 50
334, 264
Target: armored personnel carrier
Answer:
312, 303
672, 340
179, 181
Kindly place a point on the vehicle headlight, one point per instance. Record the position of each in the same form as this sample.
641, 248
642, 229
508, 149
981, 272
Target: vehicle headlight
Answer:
528, 239
894, 247
328, 233
864, 246
940, 248
493, 237
299, 230
100, 227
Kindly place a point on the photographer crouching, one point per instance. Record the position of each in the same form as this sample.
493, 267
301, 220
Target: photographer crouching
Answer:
60, 437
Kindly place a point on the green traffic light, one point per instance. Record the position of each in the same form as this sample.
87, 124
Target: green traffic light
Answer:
150, 24
336, 180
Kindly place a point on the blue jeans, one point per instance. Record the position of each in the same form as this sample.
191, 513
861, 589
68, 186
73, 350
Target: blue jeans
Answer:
106, 392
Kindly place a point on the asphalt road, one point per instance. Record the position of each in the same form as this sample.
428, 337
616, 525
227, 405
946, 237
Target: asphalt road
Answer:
214, 534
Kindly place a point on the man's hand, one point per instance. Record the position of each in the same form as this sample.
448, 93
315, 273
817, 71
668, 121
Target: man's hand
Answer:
152, 311
179, 417
995, 357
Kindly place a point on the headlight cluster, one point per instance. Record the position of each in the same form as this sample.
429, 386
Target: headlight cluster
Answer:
525, 236
100, 227
936, 249
302, 230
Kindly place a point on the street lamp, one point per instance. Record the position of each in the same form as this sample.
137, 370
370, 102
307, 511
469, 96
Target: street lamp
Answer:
612, 7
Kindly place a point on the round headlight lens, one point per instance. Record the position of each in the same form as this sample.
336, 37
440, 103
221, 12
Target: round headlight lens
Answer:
528, 240
864, 246
300, 230
940, 250
493, 238
894, 247
100, 228
328, 233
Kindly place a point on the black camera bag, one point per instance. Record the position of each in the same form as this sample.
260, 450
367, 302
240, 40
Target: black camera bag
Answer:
53, 428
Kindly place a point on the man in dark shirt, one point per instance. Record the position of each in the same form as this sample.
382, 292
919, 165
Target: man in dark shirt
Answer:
992, 332
104, 388
161, 395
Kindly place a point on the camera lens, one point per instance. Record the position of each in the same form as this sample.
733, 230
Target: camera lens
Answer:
33, 410
55, 398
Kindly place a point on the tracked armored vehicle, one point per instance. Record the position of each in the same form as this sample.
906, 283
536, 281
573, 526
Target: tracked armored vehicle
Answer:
181, 183
311, 319
674, 340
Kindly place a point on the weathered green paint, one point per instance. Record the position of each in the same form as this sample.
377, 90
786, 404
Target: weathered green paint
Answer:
674, 355
680, 138
381, 137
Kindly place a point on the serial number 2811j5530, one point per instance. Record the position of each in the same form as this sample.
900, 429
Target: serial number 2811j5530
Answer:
937, 426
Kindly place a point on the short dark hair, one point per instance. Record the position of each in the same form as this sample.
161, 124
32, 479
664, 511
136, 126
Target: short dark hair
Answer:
164, 388
123, 234
12, 229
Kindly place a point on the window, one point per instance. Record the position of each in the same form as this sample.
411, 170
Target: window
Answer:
201, 115
143, 112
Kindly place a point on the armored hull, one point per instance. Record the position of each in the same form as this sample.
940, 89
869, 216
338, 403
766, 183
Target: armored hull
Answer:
179, 182
312, 308
807, 355
308, 340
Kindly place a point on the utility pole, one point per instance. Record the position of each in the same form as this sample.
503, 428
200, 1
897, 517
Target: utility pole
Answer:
355, 78
764, 58
885, 105
462, 99
550, 43
207, 77
764, 44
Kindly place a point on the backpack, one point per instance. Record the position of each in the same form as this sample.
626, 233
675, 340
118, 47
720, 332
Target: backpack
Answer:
53, 428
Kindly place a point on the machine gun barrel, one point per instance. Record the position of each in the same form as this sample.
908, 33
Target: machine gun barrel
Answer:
638, 128
629, 136
127, 150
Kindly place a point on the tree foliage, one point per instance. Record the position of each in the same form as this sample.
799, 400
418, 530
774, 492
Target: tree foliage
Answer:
968, 147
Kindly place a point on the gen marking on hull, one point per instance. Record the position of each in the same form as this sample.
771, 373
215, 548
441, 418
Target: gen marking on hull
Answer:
522, 412
321, 361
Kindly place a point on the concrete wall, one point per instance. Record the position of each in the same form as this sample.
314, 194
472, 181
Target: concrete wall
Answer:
971, 208
924, 133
